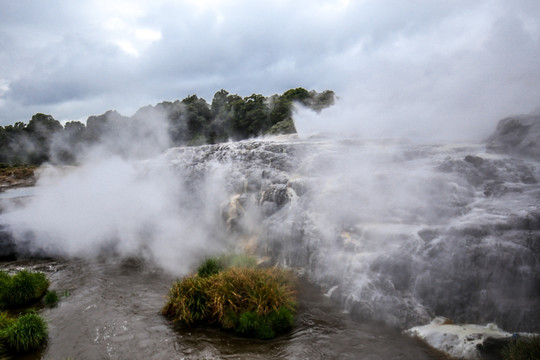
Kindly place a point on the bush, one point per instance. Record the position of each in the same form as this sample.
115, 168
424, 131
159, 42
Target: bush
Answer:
28, 332
522, 348
22, 288
252, 302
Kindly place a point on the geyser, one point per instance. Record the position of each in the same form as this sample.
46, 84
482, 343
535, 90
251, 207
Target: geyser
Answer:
392, 231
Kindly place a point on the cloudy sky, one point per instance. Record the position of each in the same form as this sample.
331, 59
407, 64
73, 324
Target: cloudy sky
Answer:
413, 61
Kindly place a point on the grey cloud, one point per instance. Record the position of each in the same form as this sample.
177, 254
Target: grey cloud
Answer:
412, 60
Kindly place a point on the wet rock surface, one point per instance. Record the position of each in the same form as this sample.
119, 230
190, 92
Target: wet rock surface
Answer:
450, 231
519, 135
394, 232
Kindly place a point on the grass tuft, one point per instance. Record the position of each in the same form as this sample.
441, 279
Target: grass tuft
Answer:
22, 288
26, 333
29, 331
252, 302
51, 298
5, 320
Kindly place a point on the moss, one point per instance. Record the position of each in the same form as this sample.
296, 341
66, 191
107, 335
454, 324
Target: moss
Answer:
523, 348
249, 301
22, 288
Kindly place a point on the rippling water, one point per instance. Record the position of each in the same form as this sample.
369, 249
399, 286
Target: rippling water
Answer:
111, 311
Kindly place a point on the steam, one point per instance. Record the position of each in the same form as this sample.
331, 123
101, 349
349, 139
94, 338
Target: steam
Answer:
421, 124
115, 203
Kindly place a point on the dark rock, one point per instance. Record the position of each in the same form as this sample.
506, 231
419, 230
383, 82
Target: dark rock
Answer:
491, 348
268, 208
518, 135
8, 250
475, 160
276, 193
428, 234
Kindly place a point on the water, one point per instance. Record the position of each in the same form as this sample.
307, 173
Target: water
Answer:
18, 192
111, 311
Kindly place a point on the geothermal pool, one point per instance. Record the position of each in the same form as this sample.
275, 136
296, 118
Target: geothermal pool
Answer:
111, 311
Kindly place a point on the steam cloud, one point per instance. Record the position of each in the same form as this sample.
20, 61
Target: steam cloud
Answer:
115, 203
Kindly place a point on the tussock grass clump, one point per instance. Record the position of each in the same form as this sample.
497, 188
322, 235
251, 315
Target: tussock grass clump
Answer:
51, 298
5, 320
523, 348
22, 288
253, 302
27, 332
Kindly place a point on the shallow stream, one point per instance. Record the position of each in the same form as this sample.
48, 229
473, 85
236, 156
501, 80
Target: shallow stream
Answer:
110, 310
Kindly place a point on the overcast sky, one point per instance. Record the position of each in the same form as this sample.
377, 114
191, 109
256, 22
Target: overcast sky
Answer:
461, 61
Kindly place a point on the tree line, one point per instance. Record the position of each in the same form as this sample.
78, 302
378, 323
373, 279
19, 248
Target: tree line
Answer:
191, 121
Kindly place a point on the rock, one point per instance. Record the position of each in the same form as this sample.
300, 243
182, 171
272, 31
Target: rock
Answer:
8, 249
491, 347
461, 341
518, 135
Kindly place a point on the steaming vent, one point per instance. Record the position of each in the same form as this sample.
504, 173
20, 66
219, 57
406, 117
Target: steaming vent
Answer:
393, 232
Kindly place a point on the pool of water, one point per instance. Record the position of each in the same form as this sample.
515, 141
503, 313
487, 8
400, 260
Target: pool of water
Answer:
111, 310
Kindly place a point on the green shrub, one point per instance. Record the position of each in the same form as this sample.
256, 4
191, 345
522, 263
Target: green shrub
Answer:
28, 332
22, 288
51, 298
523, 348
252, 302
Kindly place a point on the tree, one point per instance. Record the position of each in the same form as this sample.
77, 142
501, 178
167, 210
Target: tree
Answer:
42, 130
199, 116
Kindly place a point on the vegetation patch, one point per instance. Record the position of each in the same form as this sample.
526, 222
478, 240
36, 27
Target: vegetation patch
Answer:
191, 121
21, 289
523, 348
29, 331
12, 175
250, 301
51, 298
26, 333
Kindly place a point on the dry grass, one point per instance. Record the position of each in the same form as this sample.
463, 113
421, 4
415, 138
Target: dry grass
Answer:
257, 302
17, 175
